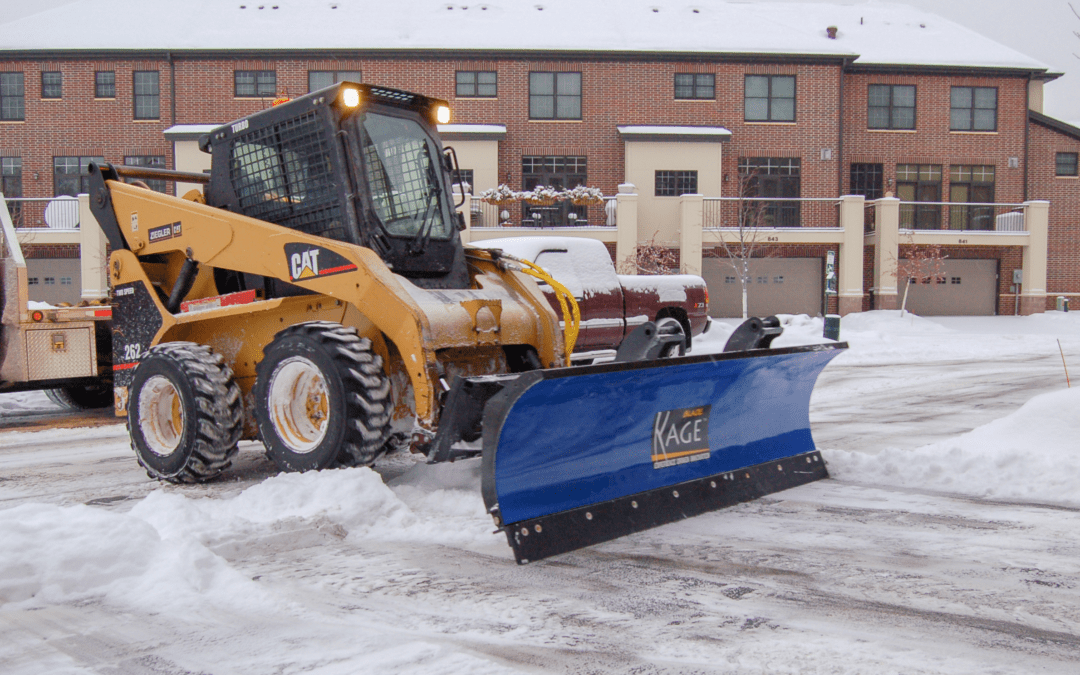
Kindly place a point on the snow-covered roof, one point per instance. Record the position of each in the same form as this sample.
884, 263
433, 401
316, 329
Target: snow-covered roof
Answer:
472, 132
673, 133
184, 132
874, 32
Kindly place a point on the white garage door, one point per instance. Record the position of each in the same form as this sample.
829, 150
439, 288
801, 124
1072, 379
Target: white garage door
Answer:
969, 289
777, 286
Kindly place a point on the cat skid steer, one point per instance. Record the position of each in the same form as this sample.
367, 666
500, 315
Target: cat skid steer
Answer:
317, 296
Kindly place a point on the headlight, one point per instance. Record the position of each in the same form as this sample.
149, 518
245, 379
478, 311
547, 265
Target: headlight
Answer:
442, 115
350, 97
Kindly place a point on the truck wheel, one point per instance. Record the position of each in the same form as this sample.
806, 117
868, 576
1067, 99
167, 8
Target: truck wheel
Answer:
82, 396
321, 398
184, 416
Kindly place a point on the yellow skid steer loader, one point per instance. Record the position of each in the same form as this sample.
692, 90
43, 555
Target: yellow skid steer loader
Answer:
317, 296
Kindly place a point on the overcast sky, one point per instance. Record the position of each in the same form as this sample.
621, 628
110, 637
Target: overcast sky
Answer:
1042, 29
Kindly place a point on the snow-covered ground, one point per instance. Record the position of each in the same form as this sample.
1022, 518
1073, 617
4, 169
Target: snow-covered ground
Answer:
947, 541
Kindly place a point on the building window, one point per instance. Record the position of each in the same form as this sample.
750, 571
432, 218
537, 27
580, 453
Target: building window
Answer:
105, 84
770, 98
1065, 164
71, 175
675, 183
65, 281
891, 106
973, 109
147, 96
466, 177
150, 161
11, 176
50, 281
321, 79
919, 183
32, 281
774, 178
971, 185
52, 84
866, 180
559, 173
12, 91
255, 83
477, 83
955, 280
695, 85
555, 96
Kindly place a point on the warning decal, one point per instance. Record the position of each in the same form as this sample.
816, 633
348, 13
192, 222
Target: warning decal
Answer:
308, 262
680, 436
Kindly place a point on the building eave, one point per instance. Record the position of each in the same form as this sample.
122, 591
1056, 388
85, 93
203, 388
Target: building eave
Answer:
1054, 124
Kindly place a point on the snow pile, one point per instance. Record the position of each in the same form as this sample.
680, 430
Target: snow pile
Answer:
170, 550
1032, 455
55, 554
23, 401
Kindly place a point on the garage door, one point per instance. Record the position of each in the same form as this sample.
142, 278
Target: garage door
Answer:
777, 286
54, 280
970, 289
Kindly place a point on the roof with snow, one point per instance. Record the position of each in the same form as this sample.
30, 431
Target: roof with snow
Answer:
871, 32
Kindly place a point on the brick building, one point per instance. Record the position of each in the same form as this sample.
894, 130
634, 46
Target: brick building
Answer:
798, 102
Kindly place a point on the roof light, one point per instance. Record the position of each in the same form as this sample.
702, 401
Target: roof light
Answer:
350, 97
442, 115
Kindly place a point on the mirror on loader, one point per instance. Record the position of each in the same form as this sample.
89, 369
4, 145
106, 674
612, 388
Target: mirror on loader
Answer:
319, 300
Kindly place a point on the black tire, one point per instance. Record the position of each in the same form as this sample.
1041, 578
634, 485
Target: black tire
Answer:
322, 399
185, 413
672, 326
82, 396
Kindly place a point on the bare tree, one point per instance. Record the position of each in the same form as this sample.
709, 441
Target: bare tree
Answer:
748, 238
650, 258
922, 263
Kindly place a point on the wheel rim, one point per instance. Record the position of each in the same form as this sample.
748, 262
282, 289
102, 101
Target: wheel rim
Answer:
161, 416
299, 404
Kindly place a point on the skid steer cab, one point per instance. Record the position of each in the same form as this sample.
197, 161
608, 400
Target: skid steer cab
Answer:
316, 296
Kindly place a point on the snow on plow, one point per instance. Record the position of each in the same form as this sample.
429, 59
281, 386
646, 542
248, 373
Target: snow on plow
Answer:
577, 456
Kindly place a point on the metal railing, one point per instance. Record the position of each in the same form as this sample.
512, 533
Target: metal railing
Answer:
770, 212
870, 217
56, 213
964, 216
560, 214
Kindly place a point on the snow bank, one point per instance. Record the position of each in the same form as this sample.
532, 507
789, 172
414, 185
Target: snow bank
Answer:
164, 553
55, 554
1032, 455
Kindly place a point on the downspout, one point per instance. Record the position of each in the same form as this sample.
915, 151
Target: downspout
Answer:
172, 87
1027, 131
840, 131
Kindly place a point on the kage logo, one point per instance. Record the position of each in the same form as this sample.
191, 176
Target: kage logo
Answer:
680, 436
309, 262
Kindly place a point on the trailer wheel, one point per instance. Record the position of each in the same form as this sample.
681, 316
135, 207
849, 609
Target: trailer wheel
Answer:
321, 398
184, 416
82, 396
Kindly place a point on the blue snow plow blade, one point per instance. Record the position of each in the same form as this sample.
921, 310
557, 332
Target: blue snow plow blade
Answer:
577, 456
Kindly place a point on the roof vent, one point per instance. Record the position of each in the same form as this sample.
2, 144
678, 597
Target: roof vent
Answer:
831, 32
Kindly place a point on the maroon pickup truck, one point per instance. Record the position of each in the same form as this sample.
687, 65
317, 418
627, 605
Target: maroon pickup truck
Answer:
611, 304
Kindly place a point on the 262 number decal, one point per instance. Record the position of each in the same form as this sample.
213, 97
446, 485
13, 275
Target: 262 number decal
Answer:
132, 352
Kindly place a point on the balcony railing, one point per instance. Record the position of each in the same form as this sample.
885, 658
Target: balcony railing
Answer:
57, 213
965, 216
770, 212
560, 214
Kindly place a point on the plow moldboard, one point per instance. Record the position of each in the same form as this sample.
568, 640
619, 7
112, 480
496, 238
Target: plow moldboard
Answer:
577, 456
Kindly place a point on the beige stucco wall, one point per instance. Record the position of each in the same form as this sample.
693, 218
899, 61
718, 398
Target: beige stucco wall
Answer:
480, 156
190, 158
660, 215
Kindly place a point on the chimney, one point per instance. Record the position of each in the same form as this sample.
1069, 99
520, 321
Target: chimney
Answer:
831, 32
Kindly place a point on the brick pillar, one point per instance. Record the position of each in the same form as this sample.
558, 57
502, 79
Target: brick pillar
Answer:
850, 272
1033, 290
94, 266
691, 210
886, 252
626, 223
